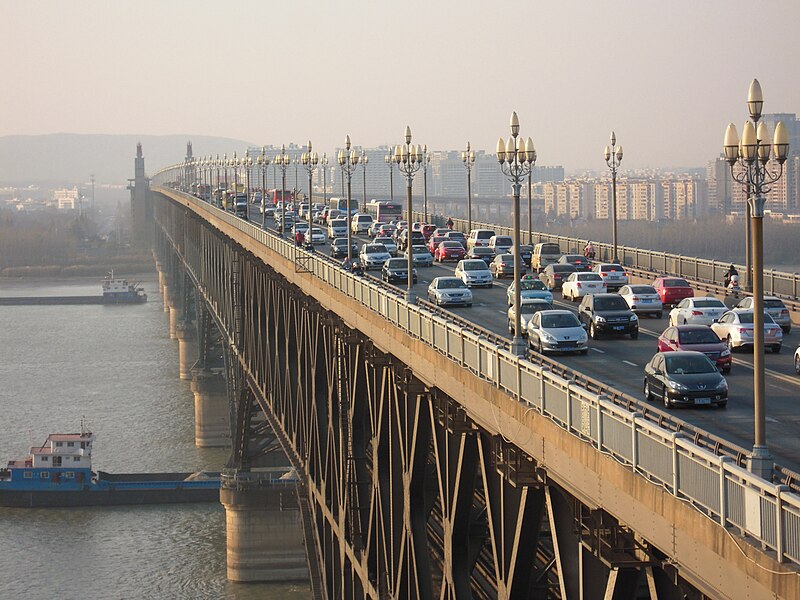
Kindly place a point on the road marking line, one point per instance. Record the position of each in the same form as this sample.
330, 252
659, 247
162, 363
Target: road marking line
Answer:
598, 350
627, 362
771, 420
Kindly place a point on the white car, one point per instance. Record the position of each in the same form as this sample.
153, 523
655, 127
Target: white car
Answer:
557, 331
774, 307
337, 228
391, 247
318, 236
372, 256
361, 223
579, 285
449, 290
300, 226
473, 271
528, 308
643, 299
614, 275
530, 287
736, 328
698, 310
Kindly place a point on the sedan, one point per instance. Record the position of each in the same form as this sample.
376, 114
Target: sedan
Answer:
530, 288
643, 299
775, 308
388, 243
557, 331
699, 311
684, 378
483, 253
673, 289
318, 236
459, 237
396, 270
699, 338
579, 261
737, 329
421, 256
373, 229
339, 247
528, 308
554, 275
386, 230
448, 250
503, 266
372, 256
434, 241
613, 274
449, 290
578, 285
474, 272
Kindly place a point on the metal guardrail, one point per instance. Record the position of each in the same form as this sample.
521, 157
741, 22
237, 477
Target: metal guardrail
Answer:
715, 484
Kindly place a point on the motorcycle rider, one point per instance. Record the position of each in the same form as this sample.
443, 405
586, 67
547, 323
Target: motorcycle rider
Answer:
730, 274
588, 250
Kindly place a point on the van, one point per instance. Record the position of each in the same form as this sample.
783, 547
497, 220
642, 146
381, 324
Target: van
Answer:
337, 228
544, 253
501, 244
479, 237
360, 223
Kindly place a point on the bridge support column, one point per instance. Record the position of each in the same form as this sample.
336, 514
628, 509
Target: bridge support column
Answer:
264, 530
162, 279
187, 349
175, 317
212, 426
165, 291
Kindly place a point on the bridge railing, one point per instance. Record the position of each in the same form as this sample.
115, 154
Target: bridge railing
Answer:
717, 486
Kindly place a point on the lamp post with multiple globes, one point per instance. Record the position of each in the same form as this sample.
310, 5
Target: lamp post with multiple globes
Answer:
516, 157
468, 158
364, 161
263, 163
348, 161
613, 156
409, 160
426, 159
389, 159
283, 160
751, 155
310, 161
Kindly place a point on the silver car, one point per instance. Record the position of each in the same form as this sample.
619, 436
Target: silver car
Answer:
557, 331
473, 271
388, 243
697, 311
372, 256
643, 299
449, 290
736, 328
775, 308
528, 308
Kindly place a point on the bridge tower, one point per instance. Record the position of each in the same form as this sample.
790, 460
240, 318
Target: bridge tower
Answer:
141, 203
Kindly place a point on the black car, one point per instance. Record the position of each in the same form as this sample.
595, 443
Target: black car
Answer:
396, 270
339, 248
608, 313
579, 261
417, 239
484, 253
684, 378
555, 275
525, 253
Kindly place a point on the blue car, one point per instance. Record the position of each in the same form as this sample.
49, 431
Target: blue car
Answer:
531, 288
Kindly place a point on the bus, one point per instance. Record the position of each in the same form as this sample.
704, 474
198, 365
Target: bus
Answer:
275, 196
341, 205
383, 211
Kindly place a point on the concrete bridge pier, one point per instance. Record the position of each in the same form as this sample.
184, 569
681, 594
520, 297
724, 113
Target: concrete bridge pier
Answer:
165, 291
175, 317
264, 530
211, 414
187, 349
162, 278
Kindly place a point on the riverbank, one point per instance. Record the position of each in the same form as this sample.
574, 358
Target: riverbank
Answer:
124, 267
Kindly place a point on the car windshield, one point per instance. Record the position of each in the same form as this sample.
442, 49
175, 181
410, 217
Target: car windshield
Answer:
502, 241
609, 268
419, 250
451, 283
712, 303
451, 245
339, 223
675, 283
478, 250
340, 242
550, 249
773, 303
698, 336
473, 265
562, 268
573, 258
747, 318
455, 234
610, 303
560, 321
643, 289
530, 308
686, 365
384, 240
589, 277
374, 249
397, 263
532, 284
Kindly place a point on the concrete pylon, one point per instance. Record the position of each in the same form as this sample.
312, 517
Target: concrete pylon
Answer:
212, 423
165, 293
187, 349
175, 317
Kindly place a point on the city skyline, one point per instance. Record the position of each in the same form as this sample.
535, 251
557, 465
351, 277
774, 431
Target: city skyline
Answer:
667, 79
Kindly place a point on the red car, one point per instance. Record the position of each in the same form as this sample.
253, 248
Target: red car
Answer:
427, 230
672, 289
699, 338
434, 241
449, 250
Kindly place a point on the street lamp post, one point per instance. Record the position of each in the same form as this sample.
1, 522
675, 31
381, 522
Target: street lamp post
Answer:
613, 156
235, 162
263, 162
389, 159
752, 154
225, 165
364, 161
283, 160
310, 161
409, 159
468, 158
516, 157
296, 162
426, 159
530, 210
324, 164
348, 161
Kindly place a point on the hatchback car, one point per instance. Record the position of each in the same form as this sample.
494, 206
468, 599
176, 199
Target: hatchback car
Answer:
503, 266
642, 299
737, 329
613, 274
449, 290
775, 308
608, 313
699, 338
578, 285
684, 378
483, 253
530, 288
416, 239
701, 310
557, 331
372, 256
579, 261
474, 272
388, 242
528, 308
555, 275
396, 270
421, 256
673, 289
449, 250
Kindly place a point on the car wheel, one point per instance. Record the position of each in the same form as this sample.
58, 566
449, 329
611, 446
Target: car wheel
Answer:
470, 304
585, 351
726, 370
723, 404
564, 295
776, 349
729, 343
667, 403
540, 346
787, 329
684, 321
593, 333
659, 314
635, 335
647, 394
797, 364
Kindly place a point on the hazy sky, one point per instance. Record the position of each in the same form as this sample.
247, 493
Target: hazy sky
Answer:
667, 76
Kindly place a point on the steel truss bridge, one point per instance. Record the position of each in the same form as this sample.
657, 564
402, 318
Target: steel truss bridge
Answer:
434, 463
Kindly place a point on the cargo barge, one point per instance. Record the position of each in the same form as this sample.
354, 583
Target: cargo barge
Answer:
115, 291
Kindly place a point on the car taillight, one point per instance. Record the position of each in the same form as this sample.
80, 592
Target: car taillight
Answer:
697, 313
556, 276
578, 285
603, 274
742, 330
635, 298
785, 312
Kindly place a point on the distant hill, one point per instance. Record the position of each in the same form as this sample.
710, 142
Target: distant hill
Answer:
69, 158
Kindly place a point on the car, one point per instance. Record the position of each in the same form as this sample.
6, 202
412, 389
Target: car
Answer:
373, 229
473, 272
483, 253
642, 299
578, 285
449, 250
700, 338
335, 213
388, 242
613, 274
699, 310
427, 230
684, 378
479, 238
360, 223
503, 266
544, 253
672, 290
299, 226
372, 256
421, 256
267, 211
579, 261
501, 244
525, 253
337, 228
318, 236
458, 237
797, 360
449, 290
530, 288
386, 230
554, 275
339, 247
416, 239
557, 331
736, 328
608, 313
774, 307
434, 241
528, 308
396, 270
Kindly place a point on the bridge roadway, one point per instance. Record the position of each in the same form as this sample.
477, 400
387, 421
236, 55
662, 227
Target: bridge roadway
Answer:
628, 358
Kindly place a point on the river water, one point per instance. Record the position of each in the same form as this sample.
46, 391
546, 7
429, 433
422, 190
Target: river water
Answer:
117, 367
